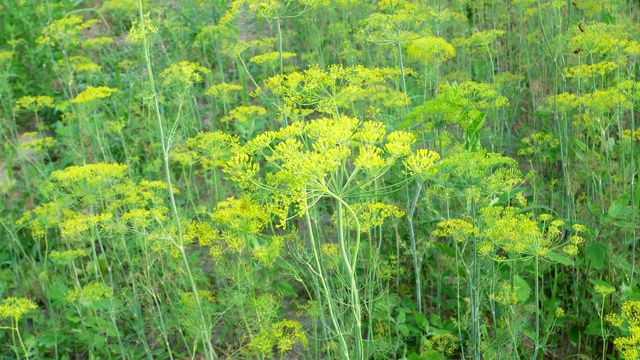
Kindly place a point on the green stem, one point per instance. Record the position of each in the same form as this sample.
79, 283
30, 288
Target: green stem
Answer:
208, 347
537, 334
320, 274
414, 251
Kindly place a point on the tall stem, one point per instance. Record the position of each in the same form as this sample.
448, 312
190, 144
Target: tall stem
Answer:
349, 265
404, 83
208, 347
414, 251
320, 274
537, 345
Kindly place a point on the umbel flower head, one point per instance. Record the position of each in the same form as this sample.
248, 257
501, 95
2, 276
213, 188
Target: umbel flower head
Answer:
64, 31
89, 294
431, 50
34, 103
15, 308
93, 93
283, 334
140, 28
628, 346
422, 163
184, 73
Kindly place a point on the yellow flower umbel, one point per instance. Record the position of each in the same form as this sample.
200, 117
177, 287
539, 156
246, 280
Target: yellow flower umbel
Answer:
37, 144
89, 179
207, 149
240, 221
629, 320
98, 43
422, 164
336, 88
15, 308
34, 103
283, 335
65, 31
183, 74
430, 50
78, 64
445, 344
374, 214
89, 294
93, 93
141, 28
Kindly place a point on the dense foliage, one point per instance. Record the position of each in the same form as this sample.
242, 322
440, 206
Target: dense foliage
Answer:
319, 179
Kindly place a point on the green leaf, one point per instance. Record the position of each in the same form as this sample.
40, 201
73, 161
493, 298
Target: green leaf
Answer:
432, 355
594, 327
559, 258
618, 205
444, 248
504, 197
286, 289
523, 290
414, 356
596, 254
403, 329
421, 320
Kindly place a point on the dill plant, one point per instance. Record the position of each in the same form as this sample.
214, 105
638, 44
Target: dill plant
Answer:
15, 309
140, 32
311, 165
333, 202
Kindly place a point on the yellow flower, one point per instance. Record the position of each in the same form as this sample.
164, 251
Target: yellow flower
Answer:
443, 343
369, 159
91, 174
184, 73
430, 49
98, 42
141, 28
604, 289
244, 114
283, 334
422, 163
456, 228
65, 31
92, 93
79, 64
628, 346
33, 103
271, 58
16, 308
89, 294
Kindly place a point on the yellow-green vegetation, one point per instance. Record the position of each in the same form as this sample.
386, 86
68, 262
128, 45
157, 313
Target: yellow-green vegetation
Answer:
319, 179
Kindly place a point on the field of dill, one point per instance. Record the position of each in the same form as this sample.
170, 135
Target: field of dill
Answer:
319, 179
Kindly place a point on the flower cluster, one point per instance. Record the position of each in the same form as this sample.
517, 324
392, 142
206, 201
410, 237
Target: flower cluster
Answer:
64, 31
430, 50
34, 103
15, 308
442, 343
184, 73
140, 28
283, 335
208, 149
93, 93
628, 346
89, 294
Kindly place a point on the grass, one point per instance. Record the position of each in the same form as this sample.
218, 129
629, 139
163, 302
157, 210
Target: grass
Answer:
319, 179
